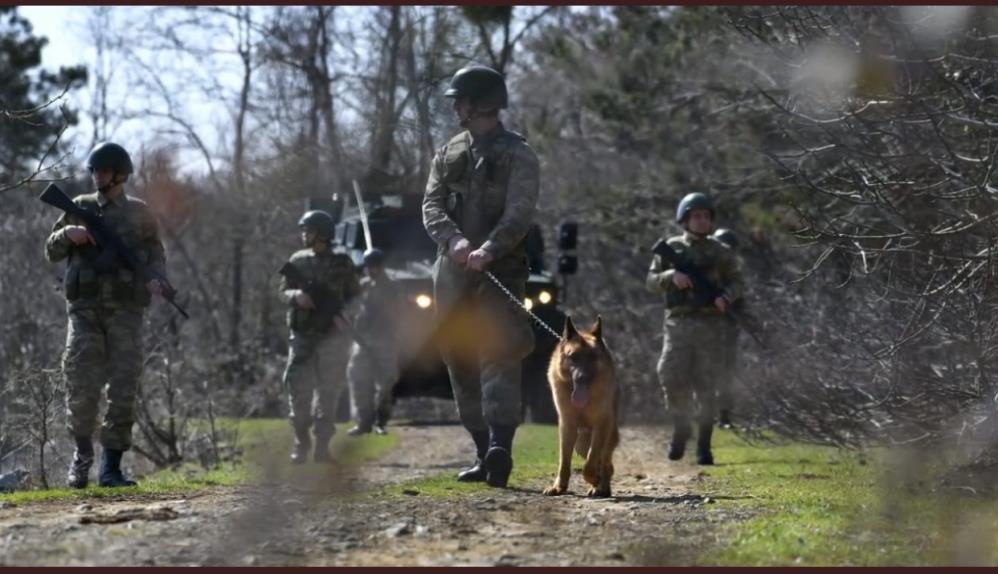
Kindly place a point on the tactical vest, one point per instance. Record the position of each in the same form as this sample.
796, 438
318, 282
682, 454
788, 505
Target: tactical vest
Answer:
477, 188
704, 257
328, 271
92, 277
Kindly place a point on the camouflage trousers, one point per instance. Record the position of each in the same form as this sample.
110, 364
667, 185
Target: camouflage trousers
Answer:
371, 373
729, 358
484, 339
103, 352
314, 379
692, 364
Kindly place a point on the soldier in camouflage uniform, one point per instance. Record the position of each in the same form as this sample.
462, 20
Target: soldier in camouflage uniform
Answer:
106, 301
691, 362
729, 346
478, 206
373, 368
318, 343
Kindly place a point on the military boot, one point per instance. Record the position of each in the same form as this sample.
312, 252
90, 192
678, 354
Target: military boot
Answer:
83, 459
724, 419
321, 453
362, 427
704, 455
680, 434
499, 458
110, 469
477, 472
381, 421
302, 444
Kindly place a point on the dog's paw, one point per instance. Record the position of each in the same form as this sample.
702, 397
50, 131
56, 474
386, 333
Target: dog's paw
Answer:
596, 492
554, 490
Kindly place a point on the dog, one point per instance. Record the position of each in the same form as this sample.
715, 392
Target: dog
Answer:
582, 378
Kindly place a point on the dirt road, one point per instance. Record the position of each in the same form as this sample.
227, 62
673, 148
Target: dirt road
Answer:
660, 514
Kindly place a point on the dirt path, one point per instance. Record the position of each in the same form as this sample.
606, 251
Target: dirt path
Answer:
657, 516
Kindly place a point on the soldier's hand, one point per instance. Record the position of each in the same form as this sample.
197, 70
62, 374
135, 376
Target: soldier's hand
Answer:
681, 280
722, 304
459, 249
303, 301
156, 287
79, 235
478, 259
341, 324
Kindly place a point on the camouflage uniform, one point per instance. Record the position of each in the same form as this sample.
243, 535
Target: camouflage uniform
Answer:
317, 352
105, 302
691, 363
484, 189
373, 367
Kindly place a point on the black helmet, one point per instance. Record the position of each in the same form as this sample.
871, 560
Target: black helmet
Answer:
110, 156
318, 221
727, 237
374, 256
690, 202
485, 87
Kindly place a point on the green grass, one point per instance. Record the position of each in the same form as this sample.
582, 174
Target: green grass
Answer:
822, 506
264, 443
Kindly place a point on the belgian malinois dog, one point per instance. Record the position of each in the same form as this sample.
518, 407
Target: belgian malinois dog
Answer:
581, 374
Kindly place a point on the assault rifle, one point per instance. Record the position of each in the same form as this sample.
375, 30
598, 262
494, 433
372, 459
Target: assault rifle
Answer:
112, 247
704, 290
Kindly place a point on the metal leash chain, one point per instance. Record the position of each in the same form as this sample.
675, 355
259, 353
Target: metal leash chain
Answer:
516, 301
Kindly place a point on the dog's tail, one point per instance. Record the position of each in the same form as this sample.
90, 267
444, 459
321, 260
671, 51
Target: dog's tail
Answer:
582, 442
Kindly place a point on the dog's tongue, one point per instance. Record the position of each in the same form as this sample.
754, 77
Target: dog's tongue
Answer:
580, 396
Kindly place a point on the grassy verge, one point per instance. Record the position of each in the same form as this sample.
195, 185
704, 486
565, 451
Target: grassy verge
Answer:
821, 506
262, 441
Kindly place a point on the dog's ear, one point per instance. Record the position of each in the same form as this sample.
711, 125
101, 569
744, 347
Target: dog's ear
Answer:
569, 332
597, 329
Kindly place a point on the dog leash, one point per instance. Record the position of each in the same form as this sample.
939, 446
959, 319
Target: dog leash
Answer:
516, 301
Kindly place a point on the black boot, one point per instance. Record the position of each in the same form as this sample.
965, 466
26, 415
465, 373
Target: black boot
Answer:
302, 444
381, 421
499, 458
321, 453
476, 473
110, 469
680, 434
83, 459
704, 455
724, 419
362, 427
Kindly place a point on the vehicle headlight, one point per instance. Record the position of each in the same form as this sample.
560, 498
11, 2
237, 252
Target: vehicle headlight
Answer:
528, 303
544, 297
423, 301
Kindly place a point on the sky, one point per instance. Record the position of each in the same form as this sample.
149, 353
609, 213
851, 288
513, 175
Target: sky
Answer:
66, 30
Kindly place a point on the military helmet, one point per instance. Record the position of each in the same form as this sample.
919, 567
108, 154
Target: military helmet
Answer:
727, 237
318, 221
374, 256
693, 201
110, 156
485, 87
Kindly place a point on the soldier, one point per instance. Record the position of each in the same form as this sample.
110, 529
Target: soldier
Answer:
478, 206
373, 367
689, 366
729, 346
319, 341
106, 302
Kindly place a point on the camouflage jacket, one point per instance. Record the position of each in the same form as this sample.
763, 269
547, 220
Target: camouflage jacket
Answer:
88, 286
485, 190
330, 271
715, 260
